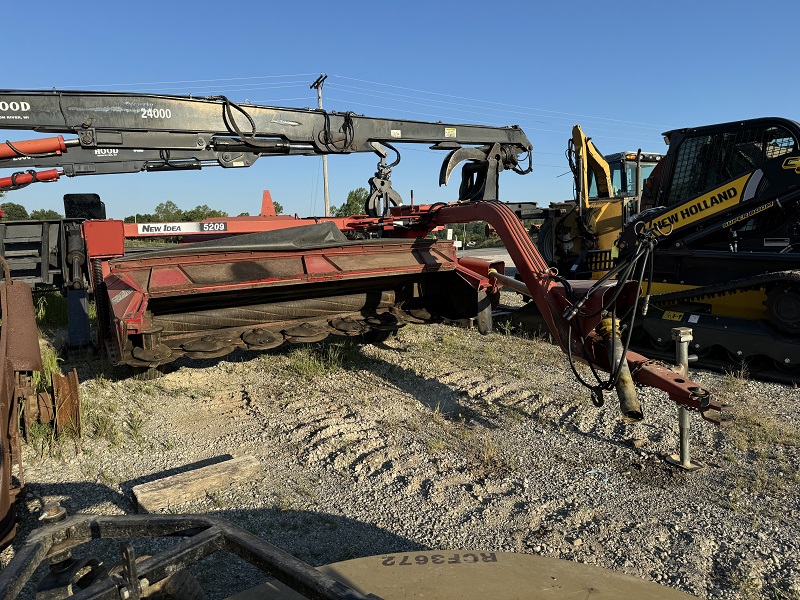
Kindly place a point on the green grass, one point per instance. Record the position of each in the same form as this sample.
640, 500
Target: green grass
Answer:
99, 421
40, 438
136, 424
314, 361
50, 359
51, 310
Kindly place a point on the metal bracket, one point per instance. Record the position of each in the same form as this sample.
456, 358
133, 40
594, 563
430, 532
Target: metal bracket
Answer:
132, 587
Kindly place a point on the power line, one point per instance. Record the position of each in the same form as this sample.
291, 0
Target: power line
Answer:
495, 103
460, 108
299, 75
537, 129
415, 91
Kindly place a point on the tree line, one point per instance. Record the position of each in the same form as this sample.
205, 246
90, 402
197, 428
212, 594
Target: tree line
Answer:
16, 212
169, 212
166, 212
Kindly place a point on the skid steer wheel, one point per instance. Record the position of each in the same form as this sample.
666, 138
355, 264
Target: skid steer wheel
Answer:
783, 308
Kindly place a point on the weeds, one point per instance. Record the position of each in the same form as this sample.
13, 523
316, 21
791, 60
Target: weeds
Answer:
40, 436
216, 499
735, 380
436, 445
282, 503
108, 478
51, 310
100, 422
748, 587
135, 424
487, 451
506, 328
452, 343
50, 359
316, 361
758, 431
437, 416
101, 382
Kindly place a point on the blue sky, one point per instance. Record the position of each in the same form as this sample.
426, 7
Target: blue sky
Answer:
625, 72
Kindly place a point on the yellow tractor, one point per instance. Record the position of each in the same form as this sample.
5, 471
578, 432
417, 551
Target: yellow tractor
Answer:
579, 236
722, 209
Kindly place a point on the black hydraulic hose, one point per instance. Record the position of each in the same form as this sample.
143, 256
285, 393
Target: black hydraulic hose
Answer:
25, 154
629, 332
228, 106
642, 258
643, 251
649, 283
167, 164
530, 166
348, 129
396, 151
18, 186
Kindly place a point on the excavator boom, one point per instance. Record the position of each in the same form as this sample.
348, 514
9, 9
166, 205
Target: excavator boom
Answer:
589, 159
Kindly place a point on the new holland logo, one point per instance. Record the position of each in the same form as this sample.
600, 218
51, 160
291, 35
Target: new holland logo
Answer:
708, 204
793, 163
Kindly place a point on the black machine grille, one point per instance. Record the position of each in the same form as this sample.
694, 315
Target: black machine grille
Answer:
705, 162
599, 260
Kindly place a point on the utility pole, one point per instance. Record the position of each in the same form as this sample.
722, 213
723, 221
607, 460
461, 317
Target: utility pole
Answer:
317, 85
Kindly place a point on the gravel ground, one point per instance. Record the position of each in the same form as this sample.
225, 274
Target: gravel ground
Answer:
441, 438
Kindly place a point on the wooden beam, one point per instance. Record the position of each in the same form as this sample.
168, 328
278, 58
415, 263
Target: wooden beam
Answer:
160, 494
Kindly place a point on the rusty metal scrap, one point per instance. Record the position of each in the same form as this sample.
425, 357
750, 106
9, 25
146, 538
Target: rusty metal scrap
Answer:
67, 403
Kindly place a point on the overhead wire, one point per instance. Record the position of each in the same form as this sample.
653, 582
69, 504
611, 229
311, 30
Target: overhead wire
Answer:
433, 99
634, 141
181, 81
416, 91
502, 112
496, 108
436, 103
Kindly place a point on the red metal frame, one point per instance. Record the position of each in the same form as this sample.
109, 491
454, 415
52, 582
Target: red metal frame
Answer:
131, 282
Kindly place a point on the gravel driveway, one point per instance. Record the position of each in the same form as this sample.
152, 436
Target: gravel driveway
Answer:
441, 438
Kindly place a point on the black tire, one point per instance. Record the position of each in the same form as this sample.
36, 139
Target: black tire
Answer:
544, 241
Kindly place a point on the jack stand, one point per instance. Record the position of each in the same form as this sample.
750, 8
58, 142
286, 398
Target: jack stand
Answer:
682, 337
